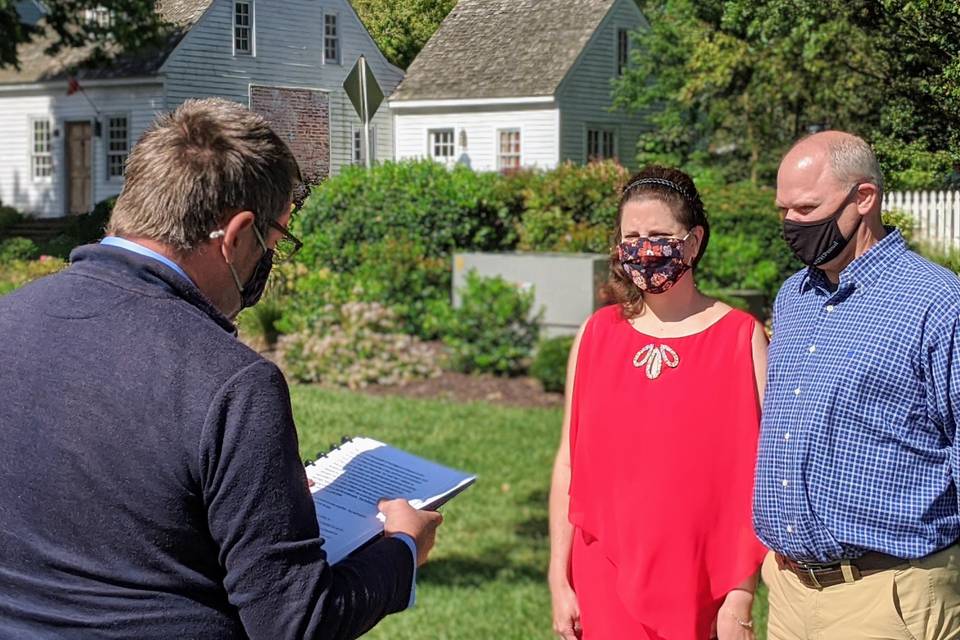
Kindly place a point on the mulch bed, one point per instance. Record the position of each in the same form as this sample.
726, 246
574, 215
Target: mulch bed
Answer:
461, 387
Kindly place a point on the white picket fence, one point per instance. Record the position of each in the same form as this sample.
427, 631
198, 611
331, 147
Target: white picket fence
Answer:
936, 215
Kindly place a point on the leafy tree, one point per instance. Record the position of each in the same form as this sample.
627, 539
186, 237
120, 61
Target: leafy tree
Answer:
125, 25
401, 27
734, 82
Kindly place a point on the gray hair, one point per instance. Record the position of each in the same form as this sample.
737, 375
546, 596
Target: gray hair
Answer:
852, 160
198, 165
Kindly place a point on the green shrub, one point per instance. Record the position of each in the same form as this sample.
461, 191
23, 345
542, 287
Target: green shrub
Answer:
8, 217
902, 221
396, 273
13, 249
354, 345
80, 230
494, 329
258, 326
554, 230
550, 362
59, 246
739, 262
544, 229
746, 248
443, 209
948, 258
399, 274
311, 293
91, 227
14, 275
587, 193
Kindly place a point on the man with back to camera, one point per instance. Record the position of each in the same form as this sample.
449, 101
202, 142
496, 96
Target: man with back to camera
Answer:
856, 485
150, 485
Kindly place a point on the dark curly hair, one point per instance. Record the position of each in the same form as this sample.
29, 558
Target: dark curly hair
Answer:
675, 189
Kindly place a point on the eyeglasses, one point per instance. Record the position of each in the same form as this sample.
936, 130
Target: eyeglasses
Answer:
287, 246
300, 194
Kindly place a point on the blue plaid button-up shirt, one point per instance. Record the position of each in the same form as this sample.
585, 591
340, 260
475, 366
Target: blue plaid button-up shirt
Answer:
858, 443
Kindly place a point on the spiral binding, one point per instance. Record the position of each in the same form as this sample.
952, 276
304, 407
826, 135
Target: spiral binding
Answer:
323, 454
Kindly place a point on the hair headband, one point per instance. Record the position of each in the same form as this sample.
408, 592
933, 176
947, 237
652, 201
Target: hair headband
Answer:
663, 182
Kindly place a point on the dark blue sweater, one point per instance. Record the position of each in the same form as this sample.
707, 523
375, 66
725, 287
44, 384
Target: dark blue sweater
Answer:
150, 485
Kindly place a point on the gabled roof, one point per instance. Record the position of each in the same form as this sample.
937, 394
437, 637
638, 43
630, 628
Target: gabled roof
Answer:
502, 49
37, 66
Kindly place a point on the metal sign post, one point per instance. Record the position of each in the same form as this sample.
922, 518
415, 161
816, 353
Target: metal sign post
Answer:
366, 96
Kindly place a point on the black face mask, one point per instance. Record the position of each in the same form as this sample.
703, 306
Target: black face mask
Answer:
251, 292
816, 243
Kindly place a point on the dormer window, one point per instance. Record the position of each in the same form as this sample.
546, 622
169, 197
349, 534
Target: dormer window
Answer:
243, 27
623, 50
331, 39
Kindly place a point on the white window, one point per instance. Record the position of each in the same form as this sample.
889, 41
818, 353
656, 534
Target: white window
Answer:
118, 145
623, 50
359, 157
508, 154
441, 144
98, 16
601, 144
331, 39
41, 158
243, 27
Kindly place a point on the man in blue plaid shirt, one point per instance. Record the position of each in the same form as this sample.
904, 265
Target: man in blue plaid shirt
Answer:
856, 488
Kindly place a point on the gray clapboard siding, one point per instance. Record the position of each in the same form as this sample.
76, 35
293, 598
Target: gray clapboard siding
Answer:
586, 94
288, 52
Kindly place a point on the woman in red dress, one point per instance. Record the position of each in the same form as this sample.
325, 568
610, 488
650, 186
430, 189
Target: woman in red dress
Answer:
650, 503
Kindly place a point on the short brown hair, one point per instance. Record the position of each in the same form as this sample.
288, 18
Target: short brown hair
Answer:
204, 161
675, 189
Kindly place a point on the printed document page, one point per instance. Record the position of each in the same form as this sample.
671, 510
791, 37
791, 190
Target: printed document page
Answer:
351, 479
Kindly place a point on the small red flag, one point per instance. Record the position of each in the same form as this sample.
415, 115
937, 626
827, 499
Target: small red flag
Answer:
72, 86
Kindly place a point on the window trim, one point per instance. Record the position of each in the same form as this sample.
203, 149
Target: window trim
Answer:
355, 129
621, 69
109, 153
614, 129
252, 51
339, 37
497, 152
453, 145
34, 120
99, 16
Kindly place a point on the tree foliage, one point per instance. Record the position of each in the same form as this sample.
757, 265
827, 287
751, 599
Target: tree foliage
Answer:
733, 83
401, 27
125, 25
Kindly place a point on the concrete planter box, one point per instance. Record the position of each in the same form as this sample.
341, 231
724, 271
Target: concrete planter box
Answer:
565, 285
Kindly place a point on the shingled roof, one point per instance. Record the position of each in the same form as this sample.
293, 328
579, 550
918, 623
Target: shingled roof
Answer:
37, 66
502, 49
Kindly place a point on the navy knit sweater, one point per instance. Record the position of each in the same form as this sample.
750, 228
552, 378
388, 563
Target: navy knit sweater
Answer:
150, 485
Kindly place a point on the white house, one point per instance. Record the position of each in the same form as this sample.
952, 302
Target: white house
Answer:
286, 59
520, 83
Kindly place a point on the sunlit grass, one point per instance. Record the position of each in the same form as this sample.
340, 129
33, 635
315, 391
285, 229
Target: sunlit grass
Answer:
486, 578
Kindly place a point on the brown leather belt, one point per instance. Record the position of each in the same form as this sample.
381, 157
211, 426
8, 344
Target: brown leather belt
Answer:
820, 576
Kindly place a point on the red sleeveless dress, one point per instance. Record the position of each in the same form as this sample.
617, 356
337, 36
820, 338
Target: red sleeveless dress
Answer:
661, 476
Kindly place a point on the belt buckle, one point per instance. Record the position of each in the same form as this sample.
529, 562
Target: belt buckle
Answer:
813, 576
812, 567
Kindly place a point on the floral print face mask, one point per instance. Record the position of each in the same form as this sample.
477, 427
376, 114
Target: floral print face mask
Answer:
654, 264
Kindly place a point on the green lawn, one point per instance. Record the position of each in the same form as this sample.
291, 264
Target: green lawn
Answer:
486, 576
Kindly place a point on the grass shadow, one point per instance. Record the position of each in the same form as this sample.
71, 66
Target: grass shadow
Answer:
470, 571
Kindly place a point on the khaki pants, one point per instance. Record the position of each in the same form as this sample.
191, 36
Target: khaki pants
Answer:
918, 601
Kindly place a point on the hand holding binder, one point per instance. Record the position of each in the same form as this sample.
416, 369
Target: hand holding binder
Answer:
401, 517
350, 480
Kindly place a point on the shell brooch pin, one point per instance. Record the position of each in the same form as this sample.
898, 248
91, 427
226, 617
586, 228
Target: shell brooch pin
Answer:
653, 357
